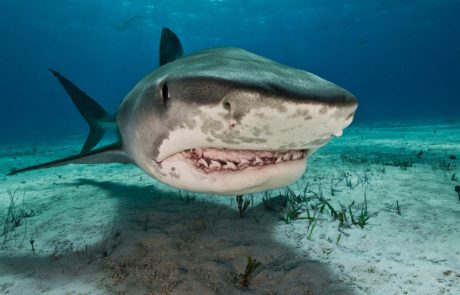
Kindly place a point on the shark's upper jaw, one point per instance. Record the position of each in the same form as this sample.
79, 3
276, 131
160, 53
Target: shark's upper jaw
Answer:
213, 160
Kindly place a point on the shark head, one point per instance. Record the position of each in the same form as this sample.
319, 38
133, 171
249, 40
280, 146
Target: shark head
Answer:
228, 121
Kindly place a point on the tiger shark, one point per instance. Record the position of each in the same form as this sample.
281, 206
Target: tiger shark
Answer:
221, 120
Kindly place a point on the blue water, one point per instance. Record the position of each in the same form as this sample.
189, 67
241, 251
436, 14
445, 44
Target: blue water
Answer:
400, 58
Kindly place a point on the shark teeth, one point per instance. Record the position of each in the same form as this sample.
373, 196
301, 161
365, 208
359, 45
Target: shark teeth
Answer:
215, 164
214, 159
203, 163
229, 165
286, 157
297, 156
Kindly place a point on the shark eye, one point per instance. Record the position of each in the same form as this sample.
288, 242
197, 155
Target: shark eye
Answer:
165, 93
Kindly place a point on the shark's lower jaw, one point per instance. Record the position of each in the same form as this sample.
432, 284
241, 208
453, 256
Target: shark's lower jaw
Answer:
227, 171
216, 160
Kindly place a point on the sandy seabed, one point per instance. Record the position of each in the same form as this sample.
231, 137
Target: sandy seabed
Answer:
110, 229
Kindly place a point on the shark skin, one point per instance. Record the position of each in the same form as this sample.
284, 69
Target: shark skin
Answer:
222, 121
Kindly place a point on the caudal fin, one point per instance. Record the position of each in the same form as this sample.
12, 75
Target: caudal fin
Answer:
94, 114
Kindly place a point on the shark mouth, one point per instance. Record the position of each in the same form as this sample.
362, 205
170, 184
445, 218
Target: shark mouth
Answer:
211, 160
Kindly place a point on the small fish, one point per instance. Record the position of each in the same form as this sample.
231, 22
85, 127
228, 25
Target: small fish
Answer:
130, 23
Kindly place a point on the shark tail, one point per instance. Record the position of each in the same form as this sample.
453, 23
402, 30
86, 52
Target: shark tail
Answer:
94, 114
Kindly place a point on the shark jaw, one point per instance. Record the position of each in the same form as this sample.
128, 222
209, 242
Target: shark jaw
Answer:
212, 160
229, 171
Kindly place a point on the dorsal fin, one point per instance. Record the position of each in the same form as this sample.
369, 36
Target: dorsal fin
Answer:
170, 46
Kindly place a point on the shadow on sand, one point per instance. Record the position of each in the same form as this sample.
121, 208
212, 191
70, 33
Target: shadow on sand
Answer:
168, 244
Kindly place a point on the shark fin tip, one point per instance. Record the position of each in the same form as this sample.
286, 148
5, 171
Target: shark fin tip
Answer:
53, 72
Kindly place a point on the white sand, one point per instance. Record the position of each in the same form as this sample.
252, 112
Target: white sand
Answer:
159, 243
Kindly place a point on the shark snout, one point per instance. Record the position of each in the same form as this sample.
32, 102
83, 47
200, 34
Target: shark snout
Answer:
255, 120
330, 103
332, 95
346, 104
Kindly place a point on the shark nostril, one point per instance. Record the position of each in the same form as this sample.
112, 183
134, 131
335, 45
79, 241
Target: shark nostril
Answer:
227, 106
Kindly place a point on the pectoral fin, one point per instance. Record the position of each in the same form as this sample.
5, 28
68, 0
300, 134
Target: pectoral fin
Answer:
109, 154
